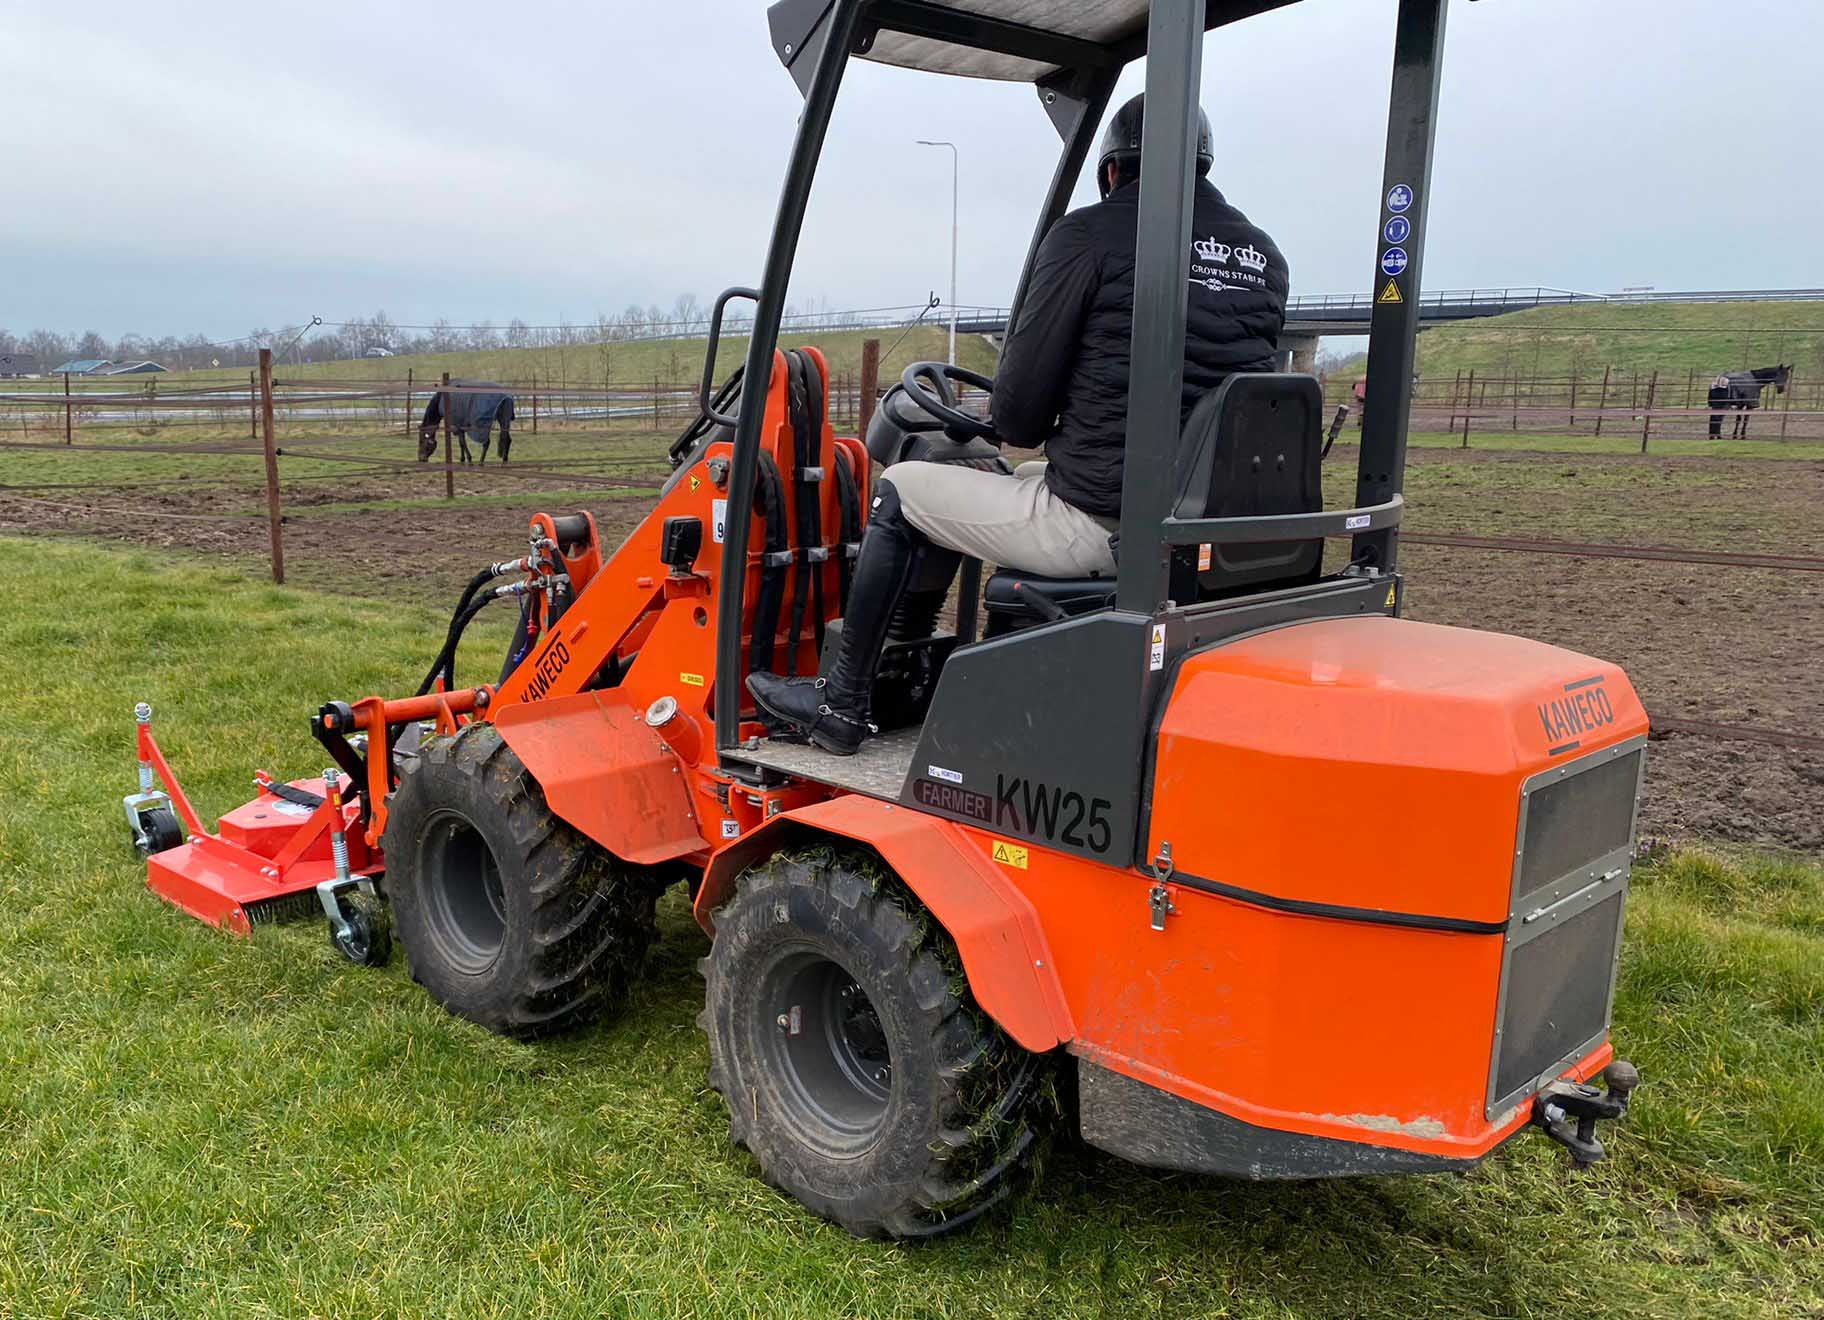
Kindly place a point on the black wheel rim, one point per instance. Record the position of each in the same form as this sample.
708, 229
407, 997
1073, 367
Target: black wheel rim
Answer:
823, 1040
465, 902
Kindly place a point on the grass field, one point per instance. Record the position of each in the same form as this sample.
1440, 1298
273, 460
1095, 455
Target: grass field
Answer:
192, 1125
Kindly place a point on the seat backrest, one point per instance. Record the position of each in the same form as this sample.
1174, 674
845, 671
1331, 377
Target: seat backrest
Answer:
1252, 446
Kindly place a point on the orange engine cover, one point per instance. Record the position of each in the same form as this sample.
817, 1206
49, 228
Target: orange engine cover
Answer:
1366, 765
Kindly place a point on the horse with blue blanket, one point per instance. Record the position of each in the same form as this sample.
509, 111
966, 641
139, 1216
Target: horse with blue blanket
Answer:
1741, 390
475, 406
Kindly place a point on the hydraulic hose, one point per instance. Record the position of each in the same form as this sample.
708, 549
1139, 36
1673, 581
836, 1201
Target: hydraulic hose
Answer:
459, 619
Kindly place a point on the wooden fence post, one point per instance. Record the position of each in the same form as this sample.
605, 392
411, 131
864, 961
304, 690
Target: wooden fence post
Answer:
68, 437
253, 405
1690, 385
1602, 404
272, 466
1646, 425
1786, 412
408, 401
870, 386
655, 403
1469, 402
1516, 402
1573, 401
535, 403
1455, 390
449, 461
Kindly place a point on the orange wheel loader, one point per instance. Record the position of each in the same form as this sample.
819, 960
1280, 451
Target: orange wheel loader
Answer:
1287, 885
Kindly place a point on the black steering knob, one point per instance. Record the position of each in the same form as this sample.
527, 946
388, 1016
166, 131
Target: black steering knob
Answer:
929, 386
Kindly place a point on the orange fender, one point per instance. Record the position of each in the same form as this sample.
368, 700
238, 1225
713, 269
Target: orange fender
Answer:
997, 932
606, 773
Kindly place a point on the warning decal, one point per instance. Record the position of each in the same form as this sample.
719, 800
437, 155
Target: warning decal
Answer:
1009, 854
1391, 294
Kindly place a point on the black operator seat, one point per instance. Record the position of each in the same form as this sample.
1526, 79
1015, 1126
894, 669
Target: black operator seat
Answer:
1251, 447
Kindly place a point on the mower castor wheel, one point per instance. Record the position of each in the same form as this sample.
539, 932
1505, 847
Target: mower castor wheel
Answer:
158, 831
856, 1067
509, 917
368, 940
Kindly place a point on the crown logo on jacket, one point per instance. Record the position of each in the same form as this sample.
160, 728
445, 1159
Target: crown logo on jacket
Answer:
1210, 250
1252, 258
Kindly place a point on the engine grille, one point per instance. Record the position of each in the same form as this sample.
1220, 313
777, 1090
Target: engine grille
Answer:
1564, 926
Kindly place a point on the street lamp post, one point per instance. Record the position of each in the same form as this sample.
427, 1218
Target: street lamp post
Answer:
955, 177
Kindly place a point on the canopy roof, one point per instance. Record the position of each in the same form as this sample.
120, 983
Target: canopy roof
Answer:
1016, 40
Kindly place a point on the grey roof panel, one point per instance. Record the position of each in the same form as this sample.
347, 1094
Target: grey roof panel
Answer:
1117, 27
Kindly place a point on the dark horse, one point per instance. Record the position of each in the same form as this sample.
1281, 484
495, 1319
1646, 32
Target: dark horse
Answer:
481, 404
1741, 390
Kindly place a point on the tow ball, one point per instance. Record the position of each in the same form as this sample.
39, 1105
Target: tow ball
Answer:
358, 924
1568, 1111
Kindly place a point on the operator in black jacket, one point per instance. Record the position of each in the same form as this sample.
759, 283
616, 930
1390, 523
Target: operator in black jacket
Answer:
1062, 386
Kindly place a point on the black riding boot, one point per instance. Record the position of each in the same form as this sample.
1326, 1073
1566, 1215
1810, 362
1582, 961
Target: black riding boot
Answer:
833, 711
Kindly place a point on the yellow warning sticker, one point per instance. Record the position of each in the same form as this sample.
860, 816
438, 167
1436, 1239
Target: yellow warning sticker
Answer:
1391, 294
1009, 854
696, 482
691, 680
1393, 596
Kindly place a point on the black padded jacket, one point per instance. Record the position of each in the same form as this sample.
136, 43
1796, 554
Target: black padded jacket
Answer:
1062, 380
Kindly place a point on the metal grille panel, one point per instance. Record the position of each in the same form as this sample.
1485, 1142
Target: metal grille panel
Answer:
1557, 995
1576, 820
1570, 886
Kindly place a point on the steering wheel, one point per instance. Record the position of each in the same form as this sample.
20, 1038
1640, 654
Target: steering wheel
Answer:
927, 384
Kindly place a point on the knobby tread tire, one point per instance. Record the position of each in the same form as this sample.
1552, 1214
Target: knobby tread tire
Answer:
578, 922
970, 1113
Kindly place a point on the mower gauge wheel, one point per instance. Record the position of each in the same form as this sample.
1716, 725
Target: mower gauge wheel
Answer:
158, 831
368, 939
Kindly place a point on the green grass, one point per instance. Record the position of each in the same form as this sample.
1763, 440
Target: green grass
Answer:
193, 1125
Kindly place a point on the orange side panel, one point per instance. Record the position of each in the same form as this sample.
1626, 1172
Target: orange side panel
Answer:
997, 931
1373, 762
606, 773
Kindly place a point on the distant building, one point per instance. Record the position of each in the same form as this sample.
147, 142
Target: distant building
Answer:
83, 367
128, 369
18, 364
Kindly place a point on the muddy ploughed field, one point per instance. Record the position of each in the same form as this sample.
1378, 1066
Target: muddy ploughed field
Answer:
1719, 644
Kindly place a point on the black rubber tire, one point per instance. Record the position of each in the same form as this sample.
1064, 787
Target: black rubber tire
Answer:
161, 829
369, 942
966, 1112
509, 917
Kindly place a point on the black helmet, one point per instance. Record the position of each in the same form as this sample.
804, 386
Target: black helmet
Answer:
1122, 140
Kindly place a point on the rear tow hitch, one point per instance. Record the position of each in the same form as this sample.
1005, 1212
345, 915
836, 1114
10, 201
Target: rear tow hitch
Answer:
1568, 1111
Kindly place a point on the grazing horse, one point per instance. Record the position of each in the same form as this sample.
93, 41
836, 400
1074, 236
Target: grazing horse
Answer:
476, 412
1741, 390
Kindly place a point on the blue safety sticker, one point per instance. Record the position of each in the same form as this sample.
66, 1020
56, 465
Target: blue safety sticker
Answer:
1398, 229
1399, 198
1393, 260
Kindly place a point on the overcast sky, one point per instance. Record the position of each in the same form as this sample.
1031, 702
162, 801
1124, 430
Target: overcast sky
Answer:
202, 166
